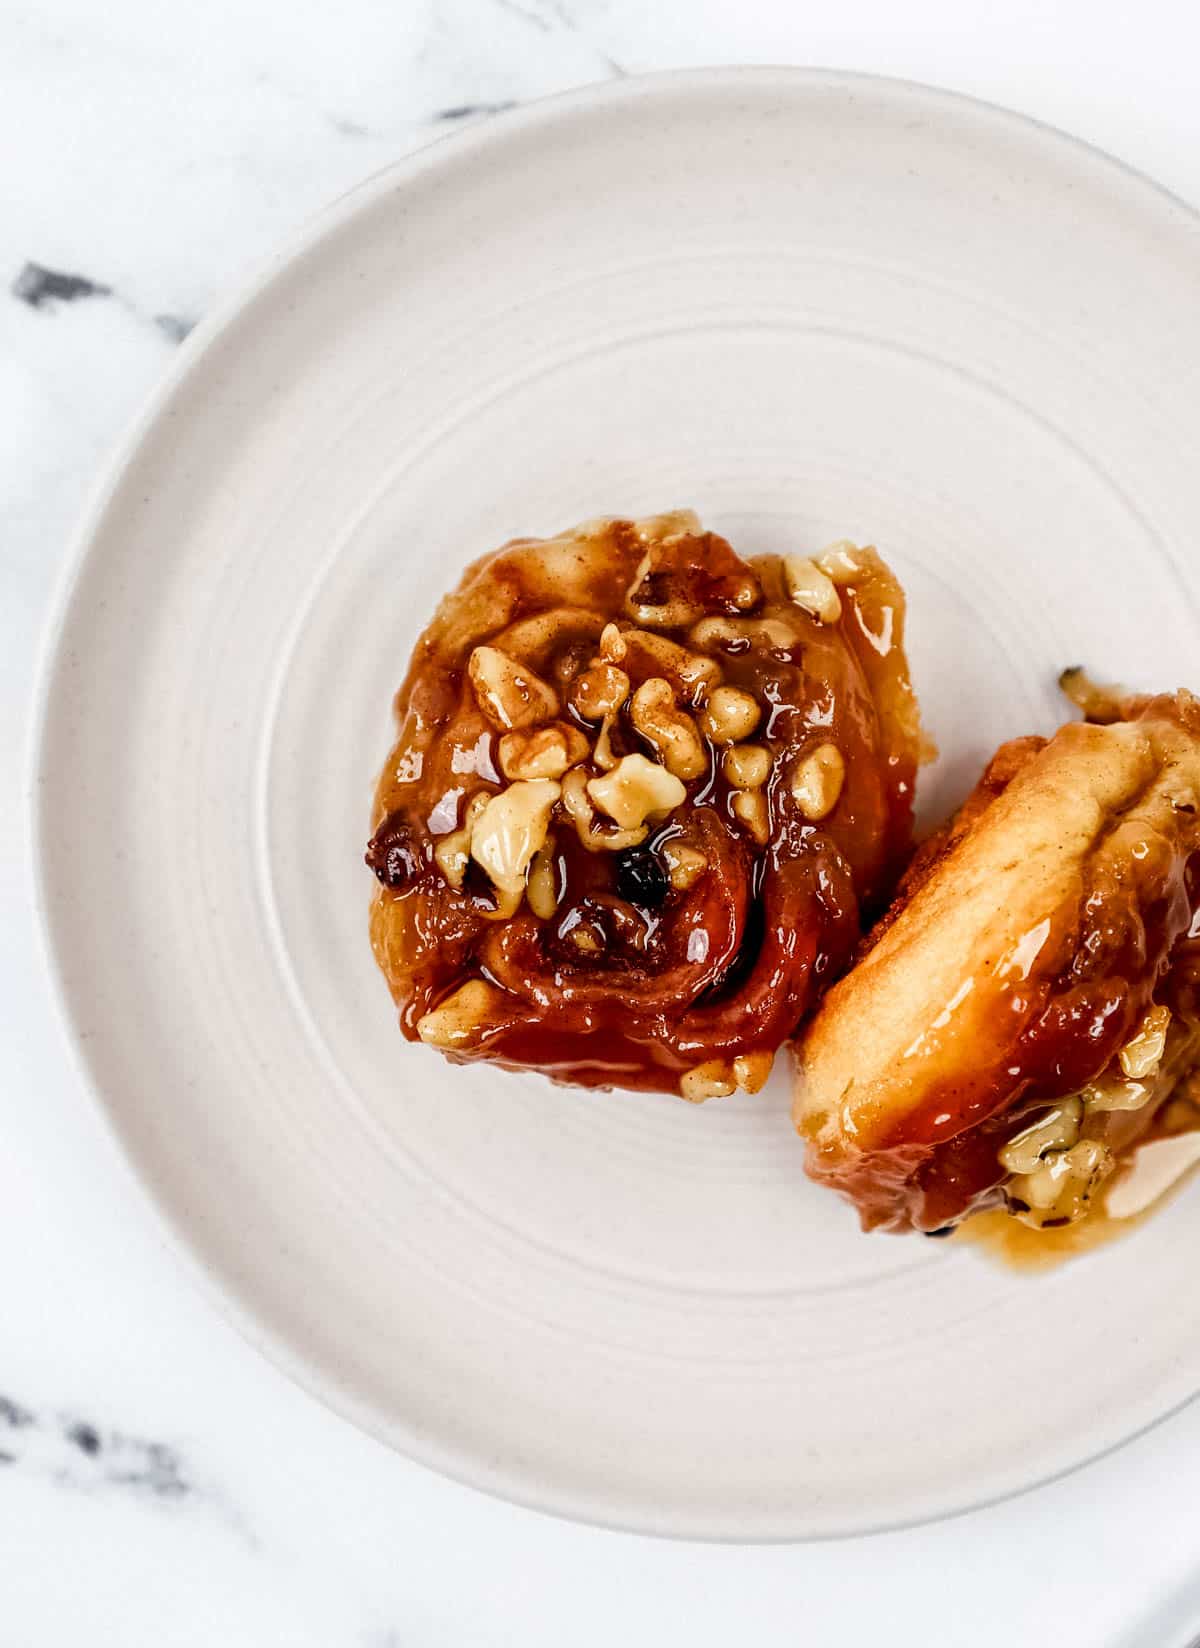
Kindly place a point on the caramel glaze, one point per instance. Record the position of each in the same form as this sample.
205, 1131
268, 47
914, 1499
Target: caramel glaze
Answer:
633, 981
1124, 944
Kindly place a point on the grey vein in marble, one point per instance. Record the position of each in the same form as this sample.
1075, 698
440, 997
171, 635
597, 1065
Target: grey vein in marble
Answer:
542, 14
468, 111
348, 128
42, 288
174, 327
45, 289
77, 1453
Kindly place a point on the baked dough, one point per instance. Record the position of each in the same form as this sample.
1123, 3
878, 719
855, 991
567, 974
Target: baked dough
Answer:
1026, 946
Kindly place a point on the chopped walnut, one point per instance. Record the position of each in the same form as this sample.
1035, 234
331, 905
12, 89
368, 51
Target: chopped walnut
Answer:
583, 815
452, 855
712, 1080
1142, 1054
460, 1016
1060, 1190
753, 810
817, 781
773, 634
692, 674
730, 715
1096, 701
685, 865
507, 834
602, 753
1056, 1131
453, 851
541, 885
612, 644
1111, 1093
840, 562
599, 691
636, 790
650, 599
750, 1070
542, 752
669, 730
746, 766
812, 588
509, 694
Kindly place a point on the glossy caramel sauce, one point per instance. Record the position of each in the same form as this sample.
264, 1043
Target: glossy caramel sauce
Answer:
634, 978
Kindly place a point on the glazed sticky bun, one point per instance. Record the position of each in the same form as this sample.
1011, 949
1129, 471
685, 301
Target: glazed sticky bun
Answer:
642, 792
1021, 1029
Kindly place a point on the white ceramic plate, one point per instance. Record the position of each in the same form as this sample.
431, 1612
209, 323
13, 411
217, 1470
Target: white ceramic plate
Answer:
811, 306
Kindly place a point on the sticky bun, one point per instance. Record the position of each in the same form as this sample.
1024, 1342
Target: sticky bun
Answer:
642, 793
1024, 1020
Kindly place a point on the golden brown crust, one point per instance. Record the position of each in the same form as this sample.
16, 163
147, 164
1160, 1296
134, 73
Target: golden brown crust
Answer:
931, 853
1027, 936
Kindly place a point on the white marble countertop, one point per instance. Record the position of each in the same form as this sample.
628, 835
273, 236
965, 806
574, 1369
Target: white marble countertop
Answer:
159, 1482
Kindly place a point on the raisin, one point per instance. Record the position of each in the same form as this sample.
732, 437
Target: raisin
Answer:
641, 878
393, 853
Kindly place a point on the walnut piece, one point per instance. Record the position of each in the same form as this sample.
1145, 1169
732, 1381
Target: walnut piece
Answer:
507, 834
583, 815
1142, 1053
752, 808
746, 766
839, 562
453, 851
750, 1070
685, 865
712, 1080
599, 691
810, 587
541, 885
460, 1015
730, 715
636, 790
670, 731
693, 675
541, 752
817, 781
509, 694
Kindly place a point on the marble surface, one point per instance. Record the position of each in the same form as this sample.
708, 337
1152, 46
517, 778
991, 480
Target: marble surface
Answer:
159, 1482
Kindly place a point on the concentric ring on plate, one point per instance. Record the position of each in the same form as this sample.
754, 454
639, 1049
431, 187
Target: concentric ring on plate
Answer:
184, 634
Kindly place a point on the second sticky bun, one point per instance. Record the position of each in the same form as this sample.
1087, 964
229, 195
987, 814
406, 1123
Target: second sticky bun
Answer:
1022, 1030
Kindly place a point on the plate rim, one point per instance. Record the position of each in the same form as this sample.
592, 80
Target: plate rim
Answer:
248, 285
